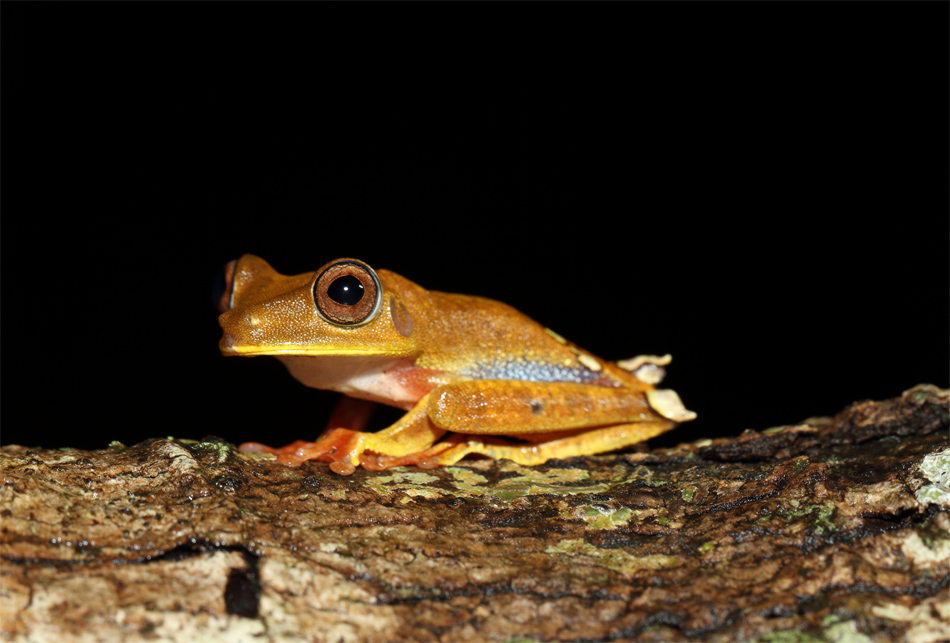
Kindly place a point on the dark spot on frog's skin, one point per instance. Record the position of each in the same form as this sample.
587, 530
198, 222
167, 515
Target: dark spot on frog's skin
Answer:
537, 407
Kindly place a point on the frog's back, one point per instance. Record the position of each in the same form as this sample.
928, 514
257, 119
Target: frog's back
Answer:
487, 339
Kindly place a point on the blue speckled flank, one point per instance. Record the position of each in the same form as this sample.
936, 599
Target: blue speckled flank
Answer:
530, 371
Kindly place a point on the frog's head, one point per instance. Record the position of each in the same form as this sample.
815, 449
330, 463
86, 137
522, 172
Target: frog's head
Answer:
341, 309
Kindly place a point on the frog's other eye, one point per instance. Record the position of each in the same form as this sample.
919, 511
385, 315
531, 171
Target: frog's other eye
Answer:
348, 293
222, 290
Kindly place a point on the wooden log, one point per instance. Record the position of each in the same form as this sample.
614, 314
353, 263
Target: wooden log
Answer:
835, 528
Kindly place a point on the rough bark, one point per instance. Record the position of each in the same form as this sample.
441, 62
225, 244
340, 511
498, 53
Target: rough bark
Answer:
832, 529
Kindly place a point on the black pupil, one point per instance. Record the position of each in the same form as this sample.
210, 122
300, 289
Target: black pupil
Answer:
346, 290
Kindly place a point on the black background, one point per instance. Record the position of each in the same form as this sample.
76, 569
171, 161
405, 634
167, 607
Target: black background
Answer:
763, 195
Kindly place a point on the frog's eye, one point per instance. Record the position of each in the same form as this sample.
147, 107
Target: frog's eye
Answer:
222, 290
348, 293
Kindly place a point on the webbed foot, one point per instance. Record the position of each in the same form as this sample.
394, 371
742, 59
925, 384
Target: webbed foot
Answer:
341, 447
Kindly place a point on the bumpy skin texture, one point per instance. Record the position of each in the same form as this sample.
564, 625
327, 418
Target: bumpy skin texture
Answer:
457, 363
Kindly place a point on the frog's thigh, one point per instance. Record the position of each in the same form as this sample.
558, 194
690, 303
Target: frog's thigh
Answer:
588, 443
509, 407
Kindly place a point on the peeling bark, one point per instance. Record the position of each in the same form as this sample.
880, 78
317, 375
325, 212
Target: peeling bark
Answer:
837, 527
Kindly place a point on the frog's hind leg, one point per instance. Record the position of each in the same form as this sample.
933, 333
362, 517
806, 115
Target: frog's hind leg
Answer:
589, 442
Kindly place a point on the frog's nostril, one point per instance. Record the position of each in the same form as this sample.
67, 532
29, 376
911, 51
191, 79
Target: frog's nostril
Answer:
228, 343
221, 289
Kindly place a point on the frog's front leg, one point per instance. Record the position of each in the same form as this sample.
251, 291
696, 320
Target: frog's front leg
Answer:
343, 448
350, 412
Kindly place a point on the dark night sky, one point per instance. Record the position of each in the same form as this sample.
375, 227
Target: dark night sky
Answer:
771, 209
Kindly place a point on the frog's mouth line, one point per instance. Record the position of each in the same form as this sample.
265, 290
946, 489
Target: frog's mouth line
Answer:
328, 352
229, 346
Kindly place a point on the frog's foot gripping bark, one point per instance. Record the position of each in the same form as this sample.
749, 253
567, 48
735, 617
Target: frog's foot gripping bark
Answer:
257, 447
344, 448
337, 447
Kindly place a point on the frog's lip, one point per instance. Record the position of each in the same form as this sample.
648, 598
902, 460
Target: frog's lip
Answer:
232, 348
301, 351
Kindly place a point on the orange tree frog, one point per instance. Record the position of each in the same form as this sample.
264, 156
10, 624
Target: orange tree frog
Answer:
468, 370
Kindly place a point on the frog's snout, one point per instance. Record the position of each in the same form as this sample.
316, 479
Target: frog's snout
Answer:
230, 341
